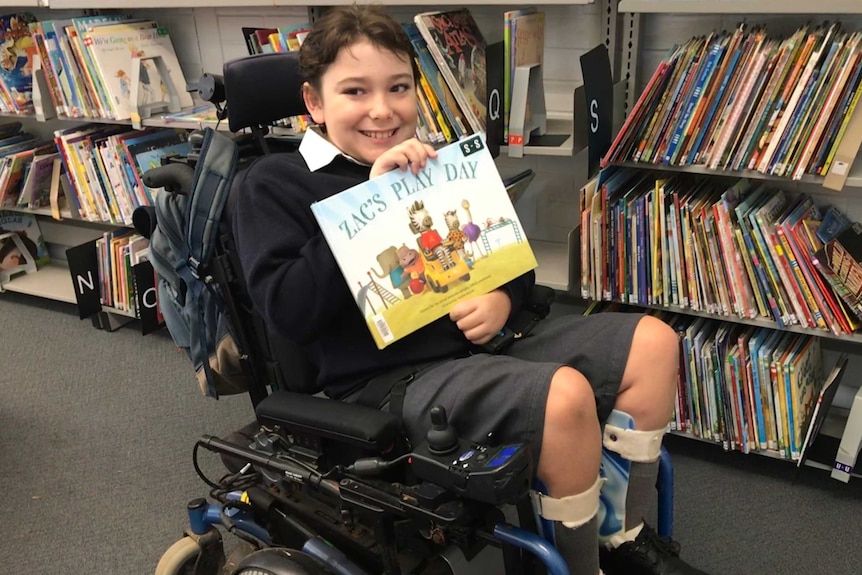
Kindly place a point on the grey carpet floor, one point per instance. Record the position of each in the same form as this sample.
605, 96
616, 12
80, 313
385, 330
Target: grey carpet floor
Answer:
97, 428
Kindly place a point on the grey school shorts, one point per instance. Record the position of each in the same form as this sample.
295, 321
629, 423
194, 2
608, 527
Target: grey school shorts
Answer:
506, 394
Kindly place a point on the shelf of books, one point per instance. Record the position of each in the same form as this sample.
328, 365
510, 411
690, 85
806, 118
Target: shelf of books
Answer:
741, 6
38, 254
732, 249
752, 390
754, 103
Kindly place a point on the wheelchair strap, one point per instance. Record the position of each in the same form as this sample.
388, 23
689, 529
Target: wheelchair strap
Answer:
391, 386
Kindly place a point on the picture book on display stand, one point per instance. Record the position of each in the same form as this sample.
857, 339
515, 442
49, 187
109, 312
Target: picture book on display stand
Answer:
458, 48
411, 246
817, 416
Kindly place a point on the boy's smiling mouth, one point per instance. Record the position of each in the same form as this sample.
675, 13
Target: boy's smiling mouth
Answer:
379, 135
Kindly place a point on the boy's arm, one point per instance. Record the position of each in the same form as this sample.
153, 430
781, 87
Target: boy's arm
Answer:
292, 277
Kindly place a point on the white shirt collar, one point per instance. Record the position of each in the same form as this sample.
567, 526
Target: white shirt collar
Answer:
318, 152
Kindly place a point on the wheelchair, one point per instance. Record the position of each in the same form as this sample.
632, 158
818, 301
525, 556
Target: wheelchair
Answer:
316, 485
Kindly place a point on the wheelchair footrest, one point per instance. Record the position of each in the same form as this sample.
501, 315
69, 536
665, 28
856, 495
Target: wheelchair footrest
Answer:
348, 423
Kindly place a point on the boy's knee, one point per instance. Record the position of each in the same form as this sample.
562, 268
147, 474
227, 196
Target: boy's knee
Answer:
656, 338
570, 398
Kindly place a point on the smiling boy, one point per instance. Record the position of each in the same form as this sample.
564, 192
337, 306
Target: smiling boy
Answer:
551, 389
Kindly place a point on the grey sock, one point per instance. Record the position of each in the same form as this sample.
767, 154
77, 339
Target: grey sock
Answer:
579, 546
641, 492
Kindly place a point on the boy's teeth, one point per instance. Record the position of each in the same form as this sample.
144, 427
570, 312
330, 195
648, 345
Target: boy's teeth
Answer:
380, 135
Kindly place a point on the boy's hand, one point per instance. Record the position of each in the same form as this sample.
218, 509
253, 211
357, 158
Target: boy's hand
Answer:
482, 317
411, 153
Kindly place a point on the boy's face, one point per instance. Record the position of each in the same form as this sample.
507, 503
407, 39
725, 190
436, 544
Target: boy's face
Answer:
367, 100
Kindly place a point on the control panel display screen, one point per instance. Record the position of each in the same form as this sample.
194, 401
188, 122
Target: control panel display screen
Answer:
503, 456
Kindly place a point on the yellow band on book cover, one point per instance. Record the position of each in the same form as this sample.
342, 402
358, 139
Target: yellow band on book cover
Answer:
411, 246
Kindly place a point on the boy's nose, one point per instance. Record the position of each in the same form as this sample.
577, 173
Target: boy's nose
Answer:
381, 108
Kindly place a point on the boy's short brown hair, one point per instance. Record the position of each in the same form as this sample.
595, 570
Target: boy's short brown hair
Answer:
343, 26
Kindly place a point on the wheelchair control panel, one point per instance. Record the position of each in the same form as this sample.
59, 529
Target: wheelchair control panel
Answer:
494, 475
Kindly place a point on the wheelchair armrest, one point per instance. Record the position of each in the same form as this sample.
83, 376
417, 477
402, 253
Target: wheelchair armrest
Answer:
349, 423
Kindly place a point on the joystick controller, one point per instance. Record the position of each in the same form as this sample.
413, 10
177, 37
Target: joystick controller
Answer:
441, 438
491, 474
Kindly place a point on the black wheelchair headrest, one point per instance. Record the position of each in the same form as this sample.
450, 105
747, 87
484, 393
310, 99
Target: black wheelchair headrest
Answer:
262, 88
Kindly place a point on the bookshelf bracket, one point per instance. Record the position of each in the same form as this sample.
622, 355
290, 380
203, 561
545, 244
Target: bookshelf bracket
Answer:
612, 26
527, 114
629, 66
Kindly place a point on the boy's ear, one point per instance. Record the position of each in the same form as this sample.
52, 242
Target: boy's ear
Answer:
313, 102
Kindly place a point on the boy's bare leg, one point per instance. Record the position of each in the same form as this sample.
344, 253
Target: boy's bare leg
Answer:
569, 468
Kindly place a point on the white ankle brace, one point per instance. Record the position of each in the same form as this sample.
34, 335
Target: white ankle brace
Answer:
641, 446
572, 510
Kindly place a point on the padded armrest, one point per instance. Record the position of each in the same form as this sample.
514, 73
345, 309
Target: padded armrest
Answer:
349, 423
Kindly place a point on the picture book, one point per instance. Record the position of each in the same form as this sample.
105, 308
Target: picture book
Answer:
16, 70
816, 417
411, 246
112, 48
27, 229
458, 47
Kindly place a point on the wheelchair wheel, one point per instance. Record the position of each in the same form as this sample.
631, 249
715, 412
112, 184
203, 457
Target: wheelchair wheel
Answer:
180, 558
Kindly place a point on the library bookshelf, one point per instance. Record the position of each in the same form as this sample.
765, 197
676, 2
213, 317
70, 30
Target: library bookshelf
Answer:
652, 26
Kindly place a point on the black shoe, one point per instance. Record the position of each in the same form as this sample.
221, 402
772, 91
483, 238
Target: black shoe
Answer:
648, 554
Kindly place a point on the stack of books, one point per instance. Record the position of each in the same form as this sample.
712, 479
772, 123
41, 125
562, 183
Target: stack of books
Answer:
745, 100
719, 245
89, 67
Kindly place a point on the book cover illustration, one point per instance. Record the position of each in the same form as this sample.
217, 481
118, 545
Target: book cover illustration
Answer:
29, 235
411, 246
816, 417
16, 51
458, 47
113, 47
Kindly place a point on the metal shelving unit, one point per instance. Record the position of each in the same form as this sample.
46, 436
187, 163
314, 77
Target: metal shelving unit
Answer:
632, 11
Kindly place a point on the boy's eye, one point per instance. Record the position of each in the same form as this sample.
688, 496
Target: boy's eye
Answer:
399, 88
353, 91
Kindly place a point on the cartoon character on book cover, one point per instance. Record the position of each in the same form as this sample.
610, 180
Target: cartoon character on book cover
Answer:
462, 46
411, 246
16, 50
